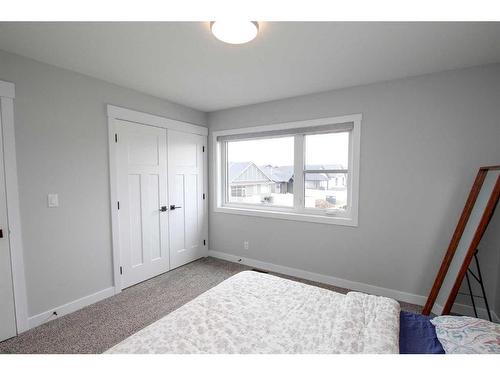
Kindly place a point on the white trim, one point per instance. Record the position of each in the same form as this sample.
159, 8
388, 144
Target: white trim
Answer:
325, 279
297, 213
126, 114
113, 193
7, 90
207, 195
353, 285
291, 125
70, 307
354, 158
467, 310
7, 93
286, 215
120, 113
298, 173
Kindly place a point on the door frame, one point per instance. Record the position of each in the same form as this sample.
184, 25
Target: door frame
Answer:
115, 113
7, 95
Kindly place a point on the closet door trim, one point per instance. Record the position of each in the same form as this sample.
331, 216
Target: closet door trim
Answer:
7, 95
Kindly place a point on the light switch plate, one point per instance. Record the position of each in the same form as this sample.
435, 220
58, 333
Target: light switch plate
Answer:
52, 200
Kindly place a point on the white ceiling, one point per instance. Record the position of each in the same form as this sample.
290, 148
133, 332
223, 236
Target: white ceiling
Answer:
184, 63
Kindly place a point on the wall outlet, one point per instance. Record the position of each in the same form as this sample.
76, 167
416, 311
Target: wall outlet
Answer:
246, 245
52, 200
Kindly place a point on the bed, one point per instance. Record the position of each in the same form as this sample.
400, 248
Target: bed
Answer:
253, 312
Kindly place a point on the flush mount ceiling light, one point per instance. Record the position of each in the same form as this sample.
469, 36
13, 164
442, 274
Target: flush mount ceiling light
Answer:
234, 32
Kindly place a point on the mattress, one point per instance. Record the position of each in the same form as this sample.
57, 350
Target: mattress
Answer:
253, 312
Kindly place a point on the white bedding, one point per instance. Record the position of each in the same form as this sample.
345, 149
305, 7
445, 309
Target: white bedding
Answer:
253, 312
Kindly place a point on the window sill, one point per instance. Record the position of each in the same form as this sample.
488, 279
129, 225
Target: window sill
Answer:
311, 218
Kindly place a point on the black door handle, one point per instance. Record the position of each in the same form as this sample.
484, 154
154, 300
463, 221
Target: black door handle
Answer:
163, 208
173, 207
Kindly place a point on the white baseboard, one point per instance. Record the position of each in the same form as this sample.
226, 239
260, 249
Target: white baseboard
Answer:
353, 285
69, 307
335, 281
467, 310
75, 305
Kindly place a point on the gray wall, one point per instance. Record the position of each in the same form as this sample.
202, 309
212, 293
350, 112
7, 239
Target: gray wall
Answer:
489, 260
61, 139
497, 297
422, 141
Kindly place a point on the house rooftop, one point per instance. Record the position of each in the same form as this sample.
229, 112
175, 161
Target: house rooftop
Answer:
278, 174
281, 173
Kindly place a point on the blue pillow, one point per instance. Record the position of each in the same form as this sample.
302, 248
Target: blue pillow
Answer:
417, 335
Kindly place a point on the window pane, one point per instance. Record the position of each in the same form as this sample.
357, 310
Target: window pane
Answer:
327, 151
260, 171
326, 190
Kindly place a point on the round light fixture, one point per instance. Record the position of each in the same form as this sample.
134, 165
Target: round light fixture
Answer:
234, 32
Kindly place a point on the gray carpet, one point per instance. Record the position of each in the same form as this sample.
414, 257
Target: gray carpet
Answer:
98, 327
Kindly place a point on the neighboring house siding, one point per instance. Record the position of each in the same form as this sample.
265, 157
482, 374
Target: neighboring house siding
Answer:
253, 175
283, 187
279, 180
316, 184
246, 180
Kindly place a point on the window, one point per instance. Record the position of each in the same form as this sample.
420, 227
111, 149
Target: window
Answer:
257, 166
326, 171
238, 191
306, 170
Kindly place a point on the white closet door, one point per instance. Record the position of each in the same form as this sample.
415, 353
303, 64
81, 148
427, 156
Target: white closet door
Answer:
7, 312
142, 195
186, 200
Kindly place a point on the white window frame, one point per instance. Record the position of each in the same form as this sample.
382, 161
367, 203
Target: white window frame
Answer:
298, 212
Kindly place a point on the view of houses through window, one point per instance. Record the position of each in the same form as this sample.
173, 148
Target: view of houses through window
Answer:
328, 153
261, 171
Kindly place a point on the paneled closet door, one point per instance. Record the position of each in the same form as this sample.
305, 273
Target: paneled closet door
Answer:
7, 311
142, 194
186, 160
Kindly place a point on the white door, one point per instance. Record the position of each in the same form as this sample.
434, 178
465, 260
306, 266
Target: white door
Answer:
7, 312
142, 196
187, 203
